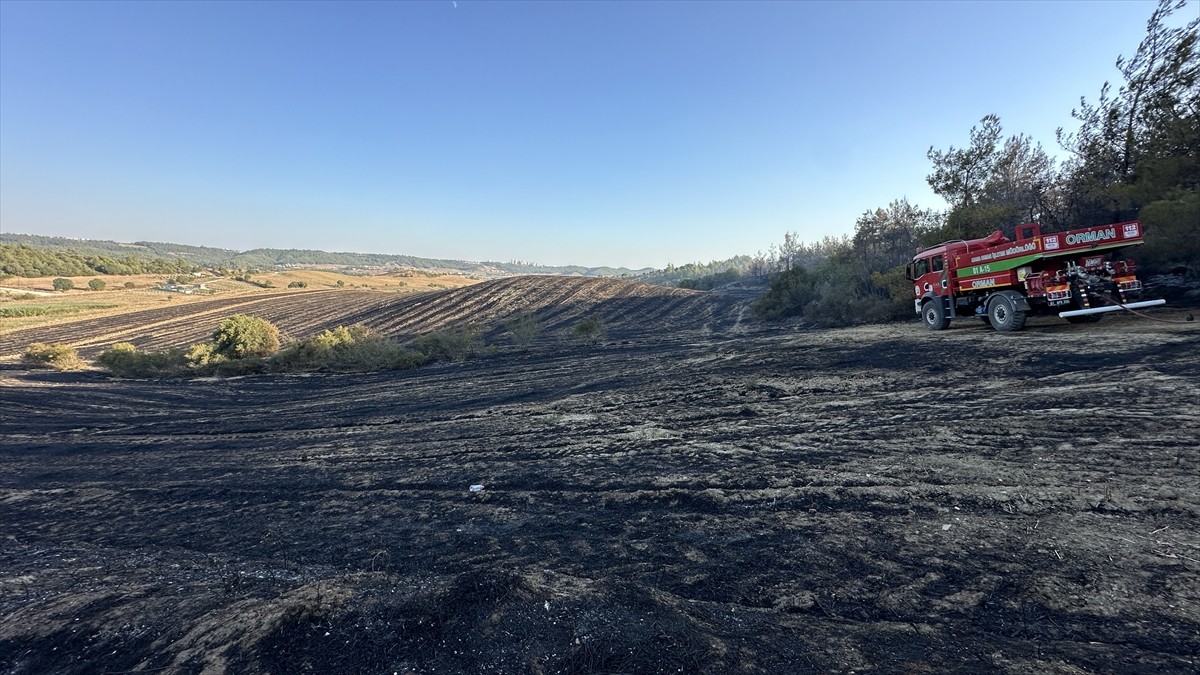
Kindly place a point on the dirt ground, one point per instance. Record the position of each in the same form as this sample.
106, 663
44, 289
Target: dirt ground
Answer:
758, 500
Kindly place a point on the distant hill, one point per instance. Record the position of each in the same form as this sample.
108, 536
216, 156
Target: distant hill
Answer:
269, 258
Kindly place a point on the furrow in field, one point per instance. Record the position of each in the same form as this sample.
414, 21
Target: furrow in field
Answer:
559, 303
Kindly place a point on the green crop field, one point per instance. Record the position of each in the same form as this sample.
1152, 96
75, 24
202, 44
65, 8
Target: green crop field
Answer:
55, 309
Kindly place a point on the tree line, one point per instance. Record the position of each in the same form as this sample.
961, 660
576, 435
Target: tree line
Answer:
266, 258
19, 260
1135, 155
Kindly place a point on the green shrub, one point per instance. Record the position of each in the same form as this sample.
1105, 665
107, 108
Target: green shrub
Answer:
899, 291
241, 336
1172, 238
63, 284
347, 349
524, 329
297, 284
236, 367
202, 354
790, 292
124, 360
96, 285
590, 330
129, 284
57, 356
451, 345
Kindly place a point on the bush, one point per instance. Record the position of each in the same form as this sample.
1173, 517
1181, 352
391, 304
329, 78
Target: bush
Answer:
347, 349
241, 336
129, 284
96, 285
456, 345
841, 292
790, 292
124, 360
1172, 238
56, 356
63, 284
202, 354
899, 291
236, 367
590, 330
525, 328
298, 284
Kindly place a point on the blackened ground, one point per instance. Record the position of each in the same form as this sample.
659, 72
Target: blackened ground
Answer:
881, 499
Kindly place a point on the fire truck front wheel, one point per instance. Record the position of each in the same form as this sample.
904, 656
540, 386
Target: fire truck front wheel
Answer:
1004, 315
933, 312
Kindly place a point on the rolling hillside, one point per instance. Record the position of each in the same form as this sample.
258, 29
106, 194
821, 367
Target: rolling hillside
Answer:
626, 308
165, 253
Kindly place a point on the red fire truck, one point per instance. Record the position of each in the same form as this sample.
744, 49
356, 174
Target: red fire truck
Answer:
1078, 275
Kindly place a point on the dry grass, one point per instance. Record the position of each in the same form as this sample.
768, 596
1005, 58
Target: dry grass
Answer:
395, 281
17, 293
78, 304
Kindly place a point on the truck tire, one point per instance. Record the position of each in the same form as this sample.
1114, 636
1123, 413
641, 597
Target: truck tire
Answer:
933, 313
1004, 315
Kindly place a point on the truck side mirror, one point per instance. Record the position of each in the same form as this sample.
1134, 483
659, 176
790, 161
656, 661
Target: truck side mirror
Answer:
908, 272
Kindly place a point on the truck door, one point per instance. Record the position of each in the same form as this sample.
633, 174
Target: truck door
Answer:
916, 270
938, 264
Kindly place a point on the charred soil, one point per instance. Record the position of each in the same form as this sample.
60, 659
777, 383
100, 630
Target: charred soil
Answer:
879, 499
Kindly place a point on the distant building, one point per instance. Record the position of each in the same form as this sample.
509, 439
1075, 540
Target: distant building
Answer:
189, 289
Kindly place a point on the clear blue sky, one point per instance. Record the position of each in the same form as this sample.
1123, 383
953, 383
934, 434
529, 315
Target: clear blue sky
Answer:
593, 133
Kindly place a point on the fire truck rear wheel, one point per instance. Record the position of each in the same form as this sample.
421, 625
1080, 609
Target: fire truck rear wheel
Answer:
1004, 315
933, 312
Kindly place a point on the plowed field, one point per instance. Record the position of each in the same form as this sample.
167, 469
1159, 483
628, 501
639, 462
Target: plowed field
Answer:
625, 307
878, 499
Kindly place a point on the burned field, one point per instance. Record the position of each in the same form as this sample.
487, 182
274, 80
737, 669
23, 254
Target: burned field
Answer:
879, 499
